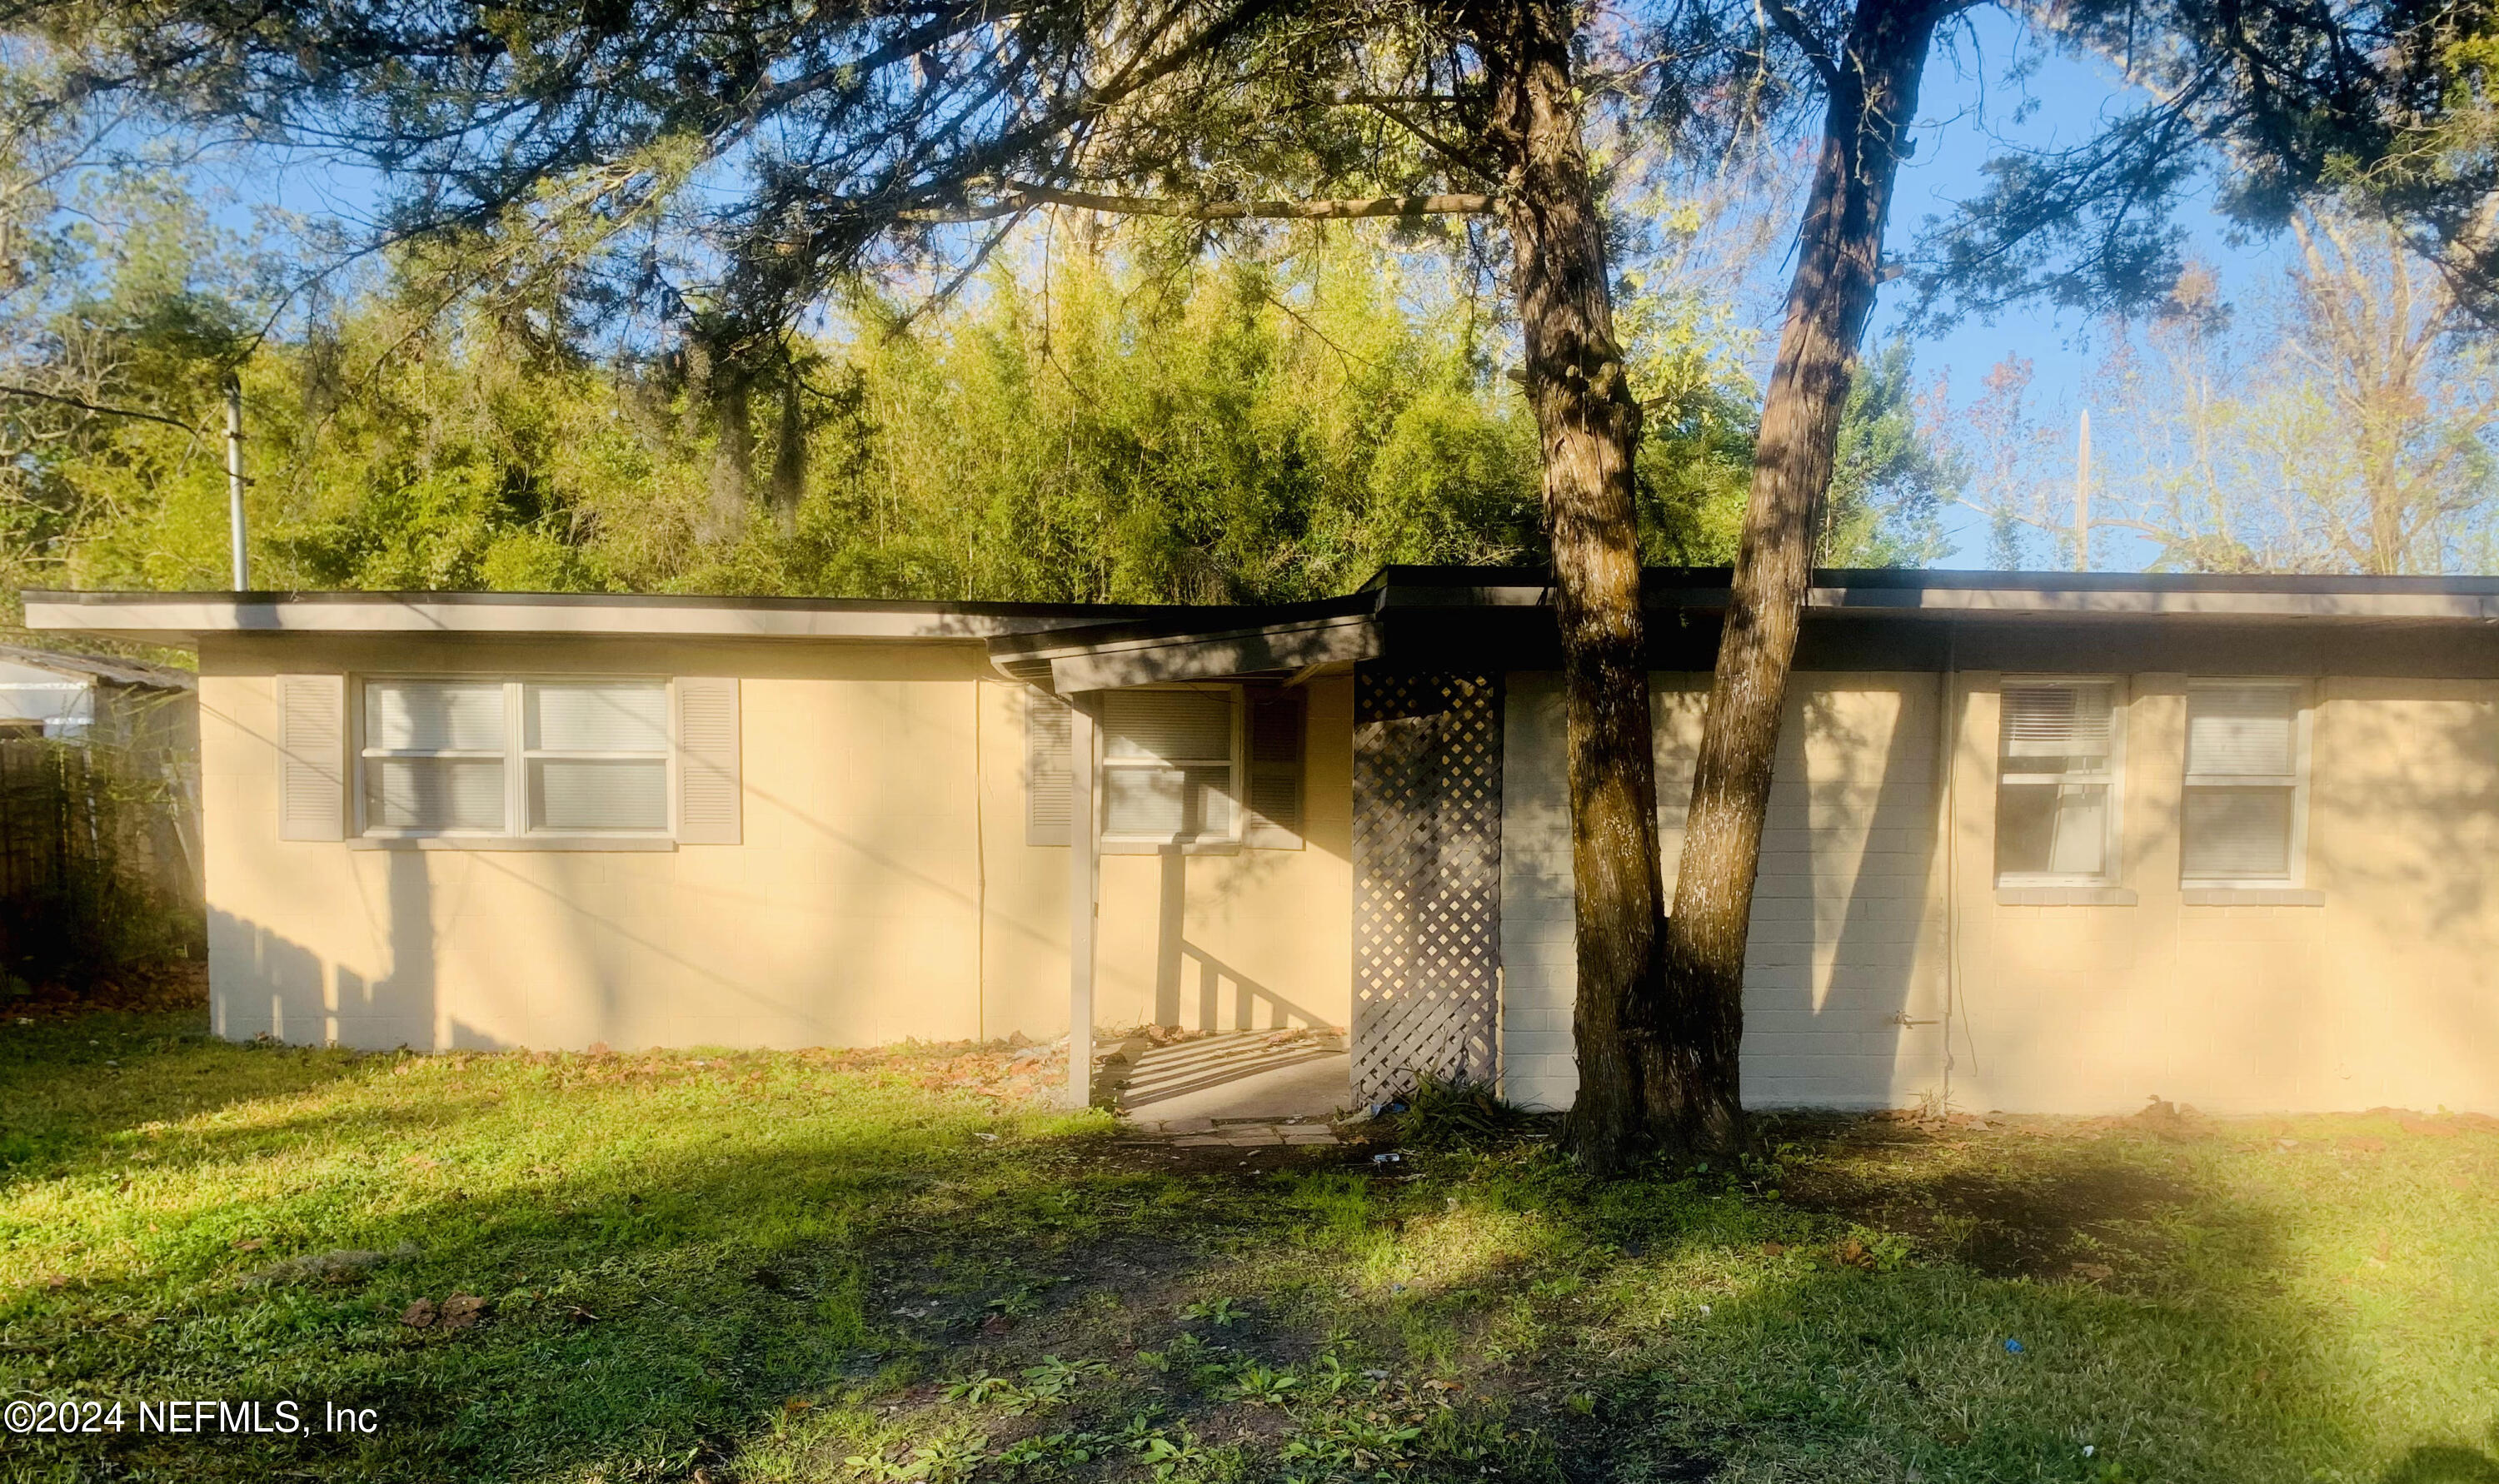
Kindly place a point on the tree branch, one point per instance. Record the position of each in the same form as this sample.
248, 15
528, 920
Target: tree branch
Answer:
1024, 195
9, 390
1816, 51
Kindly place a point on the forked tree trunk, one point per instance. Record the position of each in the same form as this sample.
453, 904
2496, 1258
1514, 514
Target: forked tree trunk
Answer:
1693, 1090
1589, 424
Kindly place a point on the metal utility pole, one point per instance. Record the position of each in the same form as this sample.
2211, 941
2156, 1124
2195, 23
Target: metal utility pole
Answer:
2082, 499
234, 484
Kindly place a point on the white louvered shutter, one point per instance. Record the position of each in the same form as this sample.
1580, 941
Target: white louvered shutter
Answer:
312, 757
708, 804
1276, 732
1050, 781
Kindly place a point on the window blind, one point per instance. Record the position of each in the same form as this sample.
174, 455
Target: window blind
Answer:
2236, 834
434, 716
1168, 726
2242, 731
2058, 721
461, 793
598, 717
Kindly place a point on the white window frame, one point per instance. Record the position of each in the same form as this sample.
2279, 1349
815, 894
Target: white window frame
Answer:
515, 756
2113, 814
1236, 698
2304, 713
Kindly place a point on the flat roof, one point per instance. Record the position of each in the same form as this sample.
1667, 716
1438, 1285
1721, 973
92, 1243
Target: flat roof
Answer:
1057, 633
177, 617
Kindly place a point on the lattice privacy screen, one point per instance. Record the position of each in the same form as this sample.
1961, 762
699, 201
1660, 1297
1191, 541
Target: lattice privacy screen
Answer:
1426, 878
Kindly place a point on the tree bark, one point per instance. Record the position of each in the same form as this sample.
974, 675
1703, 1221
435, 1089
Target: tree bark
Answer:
1589, 425
1695, 1096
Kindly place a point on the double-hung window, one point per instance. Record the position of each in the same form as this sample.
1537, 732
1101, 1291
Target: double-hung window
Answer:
1171, 764
2247, 782
1214, 764
514, 757
2059, 758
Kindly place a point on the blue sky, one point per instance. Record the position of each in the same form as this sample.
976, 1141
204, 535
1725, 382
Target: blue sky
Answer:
1967, 115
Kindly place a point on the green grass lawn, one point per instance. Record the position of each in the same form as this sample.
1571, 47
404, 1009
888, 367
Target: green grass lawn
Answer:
748, 1267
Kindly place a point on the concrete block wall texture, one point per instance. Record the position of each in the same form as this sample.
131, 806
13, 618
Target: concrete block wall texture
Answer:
2386, 991
882, 889
1845, 933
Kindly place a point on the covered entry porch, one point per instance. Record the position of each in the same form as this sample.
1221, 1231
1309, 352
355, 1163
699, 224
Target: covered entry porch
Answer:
1399, 771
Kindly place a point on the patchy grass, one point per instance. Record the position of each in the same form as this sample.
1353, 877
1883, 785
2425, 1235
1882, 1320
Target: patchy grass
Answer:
750, 1266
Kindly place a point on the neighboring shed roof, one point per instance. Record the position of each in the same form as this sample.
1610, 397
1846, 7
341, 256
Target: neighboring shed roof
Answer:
112, 669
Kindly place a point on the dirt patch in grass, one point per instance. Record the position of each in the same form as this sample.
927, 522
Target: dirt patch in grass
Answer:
2038, 1198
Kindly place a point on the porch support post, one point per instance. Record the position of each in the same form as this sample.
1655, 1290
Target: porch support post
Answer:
1084, 891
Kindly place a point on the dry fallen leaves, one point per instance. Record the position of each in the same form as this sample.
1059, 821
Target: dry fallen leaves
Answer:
418, 1316
461, 1310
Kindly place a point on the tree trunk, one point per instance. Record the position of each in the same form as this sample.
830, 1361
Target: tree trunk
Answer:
1695, 1098
1590, 425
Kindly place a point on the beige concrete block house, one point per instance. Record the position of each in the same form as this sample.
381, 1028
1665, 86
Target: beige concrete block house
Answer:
2038, 843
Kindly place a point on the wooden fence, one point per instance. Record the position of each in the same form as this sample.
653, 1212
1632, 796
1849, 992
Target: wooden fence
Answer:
96, 860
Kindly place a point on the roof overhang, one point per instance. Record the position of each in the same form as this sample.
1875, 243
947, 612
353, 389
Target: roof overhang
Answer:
1432, 616
187, 617
1965, 593
1112, 657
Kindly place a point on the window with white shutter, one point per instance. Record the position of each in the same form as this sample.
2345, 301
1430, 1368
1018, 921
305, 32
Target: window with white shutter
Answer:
494, 758
1171, 764
2059, 762
2243, 808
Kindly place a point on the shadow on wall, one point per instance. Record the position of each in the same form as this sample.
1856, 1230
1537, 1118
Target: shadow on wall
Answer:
263, 982
1870, 904
1189, 978
1830, 959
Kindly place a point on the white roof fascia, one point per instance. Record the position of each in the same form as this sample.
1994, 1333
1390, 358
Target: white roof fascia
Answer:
153, 617
2457, 607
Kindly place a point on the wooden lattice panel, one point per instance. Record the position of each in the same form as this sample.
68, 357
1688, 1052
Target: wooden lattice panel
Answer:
1426, 878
